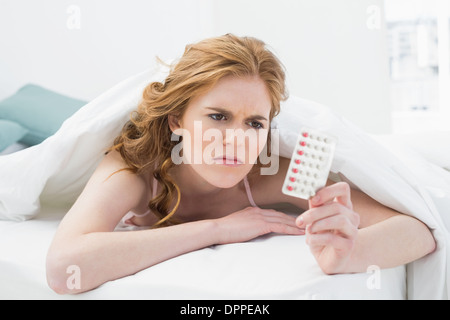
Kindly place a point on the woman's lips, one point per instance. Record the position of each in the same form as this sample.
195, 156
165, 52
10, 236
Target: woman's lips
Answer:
228, 161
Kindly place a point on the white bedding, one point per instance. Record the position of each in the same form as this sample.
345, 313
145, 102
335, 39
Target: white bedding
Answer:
55, 172
271, 267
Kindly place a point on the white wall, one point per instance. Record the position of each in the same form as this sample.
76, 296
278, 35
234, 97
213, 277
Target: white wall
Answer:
329, 51
40, 41
331, 55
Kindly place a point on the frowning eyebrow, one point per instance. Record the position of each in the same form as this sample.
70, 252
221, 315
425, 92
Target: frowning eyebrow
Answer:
226, 112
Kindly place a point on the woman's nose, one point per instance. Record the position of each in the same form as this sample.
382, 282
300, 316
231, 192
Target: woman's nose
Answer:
235, 137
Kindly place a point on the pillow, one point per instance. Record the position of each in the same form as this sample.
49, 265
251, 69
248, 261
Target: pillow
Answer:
10, 132
432, 146
38, 110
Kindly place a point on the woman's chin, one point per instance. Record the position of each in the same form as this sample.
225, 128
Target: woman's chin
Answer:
227, 176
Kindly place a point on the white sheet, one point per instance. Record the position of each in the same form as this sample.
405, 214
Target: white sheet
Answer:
56, 170
271, 267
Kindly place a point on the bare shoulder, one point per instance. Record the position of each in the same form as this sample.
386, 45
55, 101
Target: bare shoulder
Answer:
113, 167
266, 189
109, 194
112, 175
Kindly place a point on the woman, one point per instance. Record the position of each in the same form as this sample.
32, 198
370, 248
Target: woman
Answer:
184, 174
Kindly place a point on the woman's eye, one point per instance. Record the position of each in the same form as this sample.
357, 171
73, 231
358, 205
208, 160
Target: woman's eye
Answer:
256, 125
217, 117
221, 117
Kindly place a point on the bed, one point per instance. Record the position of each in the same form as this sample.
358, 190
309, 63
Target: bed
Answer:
269, 267
256, 269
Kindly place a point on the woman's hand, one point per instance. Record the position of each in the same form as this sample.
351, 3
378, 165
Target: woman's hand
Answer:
252, 222
331, 227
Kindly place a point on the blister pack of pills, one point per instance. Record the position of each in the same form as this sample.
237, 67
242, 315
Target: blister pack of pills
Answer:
310, 163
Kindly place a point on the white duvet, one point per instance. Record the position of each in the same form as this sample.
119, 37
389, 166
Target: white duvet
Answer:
54, 173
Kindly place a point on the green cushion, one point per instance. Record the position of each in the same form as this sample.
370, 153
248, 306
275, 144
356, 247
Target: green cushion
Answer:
38, 110
10, 132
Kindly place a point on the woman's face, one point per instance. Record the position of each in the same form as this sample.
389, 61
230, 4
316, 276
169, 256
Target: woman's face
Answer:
224, 130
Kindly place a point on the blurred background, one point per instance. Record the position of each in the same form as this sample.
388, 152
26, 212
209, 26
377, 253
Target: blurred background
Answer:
382, 64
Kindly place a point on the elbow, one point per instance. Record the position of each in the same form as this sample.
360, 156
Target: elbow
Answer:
62, 276
427, 242
430, 242
418, 237
56, 284
56, 279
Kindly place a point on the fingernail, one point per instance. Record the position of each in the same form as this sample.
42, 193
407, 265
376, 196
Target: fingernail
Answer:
300, 221
316, 199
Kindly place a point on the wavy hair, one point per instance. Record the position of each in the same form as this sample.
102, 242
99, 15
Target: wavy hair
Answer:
145, 141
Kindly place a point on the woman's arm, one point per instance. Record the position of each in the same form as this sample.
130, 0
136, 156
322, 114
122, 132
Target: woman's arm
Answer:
105, 256
85, 239
347, 231
392, 242
344, 241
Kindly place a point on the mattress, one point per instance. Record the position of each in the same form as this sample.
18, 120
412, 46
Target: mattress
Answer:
269, 267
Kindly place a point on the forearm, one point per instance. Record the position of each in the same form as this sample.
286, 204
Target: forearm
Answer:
104, 256
392, 242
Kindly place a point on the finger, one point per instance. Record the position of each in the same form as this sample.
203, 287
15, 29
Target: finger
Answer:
312, 204
278, 216
276, 221
312, 215
286, 229
281, 223
337, 223
340, 191
285, 220
272, 212
319, 240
